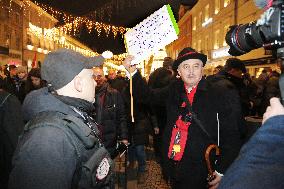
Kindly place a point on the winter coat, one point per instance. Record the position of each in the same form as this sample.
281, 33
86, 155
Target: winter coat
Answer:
242, 89
213, 101
111, 115
139, 130
260, 163
11, 126
47, 157
160, 78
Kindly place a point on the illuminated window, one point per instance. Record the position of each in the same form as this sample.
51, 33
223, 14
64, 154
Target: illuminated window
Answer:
206, 13
200, 19
226, 28
194, 23
199, 45
226, 3
194, 45
206, 48
217, 6
216, 39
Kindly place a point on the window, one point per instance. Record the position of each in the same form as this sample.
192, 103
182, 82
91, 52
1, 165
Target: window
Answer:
226, 28
18, 43
206, 48
194, 45
6, 13
216, 39
226, 3
194, 23
217, 6
199, 45
200, 19
17, 18
206, 12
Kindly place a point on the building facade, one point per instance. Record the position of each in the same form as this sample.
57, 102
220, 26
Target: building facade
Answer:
29, 33
210, 21
11, 35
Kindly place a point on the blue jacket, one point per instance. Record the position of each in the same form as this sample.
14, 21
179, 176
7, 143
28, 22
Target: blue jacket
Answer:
261, 161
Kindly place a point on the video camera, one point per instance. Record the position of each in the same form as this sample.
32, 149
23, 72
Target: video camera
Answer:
268, 31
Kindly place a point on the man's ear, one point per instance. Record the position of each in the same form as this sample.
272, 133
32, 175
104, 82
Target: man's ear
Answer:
78, 83
178, 72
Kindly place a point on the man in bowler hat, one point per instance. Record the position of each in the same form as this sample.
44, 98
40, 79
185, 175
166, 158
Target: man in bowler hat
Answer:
199, 113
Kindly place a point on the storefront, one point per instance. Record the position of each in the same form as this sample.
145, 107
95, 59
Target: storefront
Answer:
218, 57
10, 56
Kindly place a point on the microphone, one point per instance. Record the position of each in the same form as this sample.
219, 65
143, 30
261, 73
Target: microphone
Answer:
263, 3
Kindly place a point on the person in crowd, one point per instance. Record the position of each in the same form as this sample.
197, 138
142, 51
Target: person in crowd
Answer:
34, 80
21, 82
160, 78
217, 69
11, 126
60, 147
199, 112
116, 82
234, 70
2, 74
10, 80
138, 134
110, 113
261, 160
270, 89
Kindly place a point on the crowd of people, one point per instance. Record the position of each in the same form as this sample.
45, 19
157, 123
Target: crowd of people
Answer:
63, 124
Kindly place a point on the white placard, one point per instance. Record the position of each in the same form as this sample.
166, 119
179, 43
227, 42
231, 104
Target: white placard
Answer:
152, 34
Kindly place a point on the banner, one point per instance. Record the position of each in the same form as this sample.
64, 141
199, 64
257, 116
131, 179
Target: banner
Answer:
152, 34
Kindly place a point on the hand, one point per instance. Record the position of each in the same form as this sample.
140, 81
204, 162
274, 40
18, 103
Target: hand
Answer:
275, 108
215, 183
127, 64
156, 130
124, 141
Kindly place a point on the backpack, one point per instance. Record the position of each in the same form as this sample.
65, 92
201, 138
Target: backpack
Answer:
94, 172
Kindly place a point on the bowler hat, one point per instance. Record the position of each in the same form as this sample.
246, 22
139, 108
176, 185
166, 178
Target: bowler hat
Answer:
189, 53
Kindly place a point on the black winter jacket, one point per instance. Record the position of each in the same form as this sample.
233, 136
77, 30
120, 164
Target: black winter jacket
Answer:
11, 126
110, 114
211, 99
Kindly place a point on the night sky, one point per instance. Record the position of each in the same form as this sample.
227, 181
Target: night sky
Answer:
126, 13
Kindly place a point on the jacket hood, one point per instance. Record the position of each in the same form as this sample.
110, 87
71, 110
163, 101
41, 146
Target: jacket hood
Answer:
42, 100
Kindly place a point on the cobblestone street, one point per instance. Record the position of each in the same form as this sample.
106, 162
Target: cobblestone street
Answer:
153, 175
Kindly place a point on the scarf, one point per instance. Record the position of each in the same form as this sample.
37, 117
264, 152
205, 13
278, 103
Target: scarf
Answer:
180, 130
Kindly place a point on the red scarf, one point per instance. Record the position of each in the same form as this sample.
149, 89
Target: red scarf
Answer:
180, 132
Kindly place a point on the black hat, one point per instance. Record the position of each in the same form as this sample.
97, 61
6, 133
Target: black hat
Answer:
189, 53
235, 63
61, 66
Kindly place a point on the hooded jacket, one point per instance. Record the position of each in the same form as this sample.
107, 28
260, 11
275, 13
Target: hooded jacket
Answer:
46, 156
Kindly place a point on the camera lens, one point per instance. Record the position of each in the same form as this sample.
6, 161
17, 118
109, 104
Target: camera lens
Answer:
243, 38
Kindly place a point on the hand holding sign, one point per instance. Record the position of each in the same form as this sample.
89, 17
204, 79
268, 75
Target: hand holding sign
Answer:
152, 34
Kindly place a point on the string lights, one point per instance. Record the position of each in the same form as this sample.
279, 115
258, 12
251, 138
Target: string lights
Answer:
74, 23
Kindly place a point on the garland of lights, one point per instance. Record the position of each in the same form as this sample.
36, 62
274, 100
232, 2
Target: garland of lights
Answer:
55, 34
74, 23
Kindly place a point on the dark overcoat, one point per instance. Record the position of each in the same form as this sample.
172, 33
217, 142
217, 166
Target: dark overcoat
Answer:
214, 101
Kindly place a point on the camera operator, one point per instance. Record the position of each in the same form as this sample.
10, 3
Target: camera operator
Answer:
261, 161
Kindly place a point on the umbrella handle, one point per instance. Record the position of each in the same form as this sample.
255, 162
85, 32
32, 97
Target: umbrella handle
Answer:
207, 158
